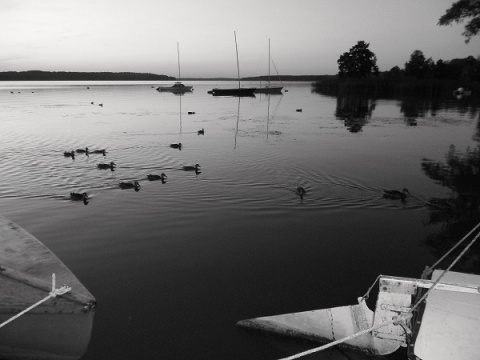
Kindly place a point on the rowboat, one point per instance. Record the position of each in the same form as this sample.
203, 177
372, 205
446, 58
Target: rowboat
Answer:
37, 320
436, 318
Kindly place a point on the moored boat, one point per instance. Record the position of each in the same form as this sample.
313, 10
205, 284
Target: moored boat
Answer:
436, 319
239, 91
269, 89
178, 87
58, 323
233, 92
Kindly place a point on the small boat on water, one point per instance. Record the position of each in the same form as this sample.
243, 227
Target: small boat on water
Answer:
234, 91
436, 319
58, 328
178, 87
269, 89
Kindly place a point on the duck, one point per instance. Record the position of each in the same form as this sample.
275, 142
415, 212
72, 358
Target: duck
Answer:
300, 191
176, 146
78, 196
69, 154
191, 113
191, 168
157, 177
100, 151
201, 132
82, 151
111, 166
396, 194
129, 185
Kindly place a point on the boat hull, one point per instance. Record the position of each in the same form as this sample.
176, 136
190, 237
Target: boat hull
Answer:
233, 92
59, 328
269, 90
176, 88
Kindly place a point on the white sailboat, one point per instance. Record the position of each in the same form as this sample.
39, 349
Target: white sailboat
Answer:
269, 89
178, 86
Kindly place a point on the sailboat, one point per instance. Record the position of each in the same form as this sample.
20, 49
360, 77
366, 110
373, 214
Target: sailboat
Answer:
234, 91
178, 86
269, 89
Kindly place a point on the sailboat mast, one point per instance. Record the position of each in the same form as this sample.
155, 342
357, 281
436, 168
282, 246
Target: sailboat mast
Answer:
238, 66
268, 62
178, 58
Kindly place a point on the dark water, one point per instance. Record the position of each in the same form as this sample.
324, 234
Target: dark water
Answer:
175, 265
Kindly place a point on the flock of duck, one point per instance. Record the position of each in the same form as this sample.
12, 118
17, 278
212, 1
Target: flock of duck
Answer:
124, 184
300, 191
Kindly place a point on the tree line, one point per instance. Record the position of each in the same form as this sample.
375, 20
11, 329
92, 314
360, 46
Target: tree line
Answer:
37, 75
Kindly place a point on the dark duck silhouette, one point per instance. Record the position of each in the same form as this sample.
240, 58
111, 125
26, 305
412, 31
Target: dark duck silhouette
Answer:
176, 146
157, 177
82, 151
396, 194
80, 197
130, 185
110, 166
300, 192
100, 151
201, 132
191, 167
69, 154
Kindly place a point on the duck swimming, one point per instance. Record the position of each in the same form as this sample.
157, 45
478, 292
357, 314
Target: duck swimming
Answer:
100, 151
201, 132
191, 168
78, 196
110, 166
157, 177
300, 191
395, 194
69, 154
129, 185
82, 151
176, 146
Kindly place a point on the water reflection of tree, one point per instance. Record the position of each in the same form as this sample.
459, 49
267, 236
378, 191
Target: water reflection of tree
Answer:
354, 111
461, 211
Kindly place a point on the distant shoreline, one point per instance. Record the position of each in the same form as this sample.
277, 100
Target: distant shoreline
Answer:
38, 75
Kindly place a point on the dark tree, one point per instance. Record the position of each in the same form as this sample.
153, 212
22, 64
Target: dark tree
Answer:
418, 66
359, 62
460, 11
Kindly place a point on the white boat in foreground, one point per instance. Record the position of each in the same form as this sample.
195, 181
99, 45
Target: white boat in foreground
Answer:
59, 326
437, 319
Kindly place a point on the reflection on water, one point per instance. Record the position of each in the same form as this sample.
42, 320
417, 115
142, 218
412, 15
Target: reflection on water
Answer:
194, 253
354, 111
461, 209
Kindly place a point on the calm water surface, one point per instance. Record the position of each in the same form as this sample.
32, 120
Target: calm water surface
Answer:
175, 265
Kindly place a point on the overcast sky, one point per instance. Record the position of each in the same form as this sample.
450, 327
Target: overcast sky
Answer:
307, 36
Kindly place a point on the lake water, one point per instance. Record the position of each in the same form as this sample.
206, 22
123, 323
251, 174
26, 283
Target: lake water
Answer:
175, 265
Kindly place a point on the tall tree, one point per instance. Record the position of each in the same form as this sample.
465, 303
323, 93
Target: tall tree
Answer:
460, 11
358, 62
418, 66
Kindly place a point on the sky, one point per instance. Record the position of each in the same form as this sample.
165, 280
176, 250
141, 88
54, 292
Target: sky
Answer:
306, 36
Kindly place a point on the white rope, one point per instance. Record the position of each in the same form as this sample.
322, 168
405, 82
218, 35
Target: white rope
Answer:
60, 291
397, 321
401, 320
